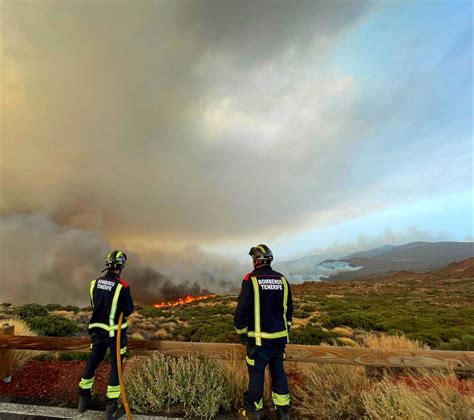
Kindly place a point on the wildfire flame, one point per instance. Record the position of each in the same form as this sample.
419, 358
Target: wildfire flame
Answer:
182, 301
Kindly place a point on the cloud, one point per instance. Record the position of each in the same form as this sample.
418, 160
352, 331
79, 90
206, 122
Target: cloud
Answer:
166, 123
388, 237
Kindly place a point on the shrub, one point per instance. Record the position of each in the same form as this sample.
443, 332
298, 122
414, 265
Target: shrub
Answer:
159, 383
311, 334
300, 313
52, 326
466, 342
72, 356
53, 307
71, 308
30, 310
151, 312
353, 320
432, 340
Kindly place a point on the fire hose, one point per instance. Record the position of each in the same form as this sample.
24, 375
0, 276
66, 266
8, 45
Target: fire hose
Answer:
119, 369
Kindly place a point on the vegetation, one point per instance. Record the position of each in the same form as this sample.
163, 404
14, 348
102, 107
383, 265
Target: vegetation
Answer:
30, 310
198, 388
20, 357
191, 386
54, 326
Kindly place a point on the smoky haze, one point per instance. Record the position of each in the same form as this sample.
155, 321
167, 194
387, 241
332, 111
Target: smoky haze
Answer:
148, 126
45, 262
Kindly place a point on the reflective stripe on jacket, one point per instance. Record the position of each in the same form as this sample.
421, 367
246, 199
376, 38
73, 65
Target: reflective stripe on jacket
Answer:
265, 307
110, 295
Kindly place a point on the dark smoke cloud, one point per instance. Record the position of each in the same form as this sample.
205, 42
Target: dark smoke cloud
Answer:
44, 262
148, 125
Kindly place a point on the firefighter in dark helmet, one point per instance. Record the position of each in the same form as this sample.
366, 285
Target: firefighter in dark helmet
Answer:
110, 295
263, 318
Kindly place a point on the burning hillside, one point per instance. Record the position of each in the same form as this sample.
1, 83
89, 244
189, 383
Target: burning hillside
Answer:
183, 301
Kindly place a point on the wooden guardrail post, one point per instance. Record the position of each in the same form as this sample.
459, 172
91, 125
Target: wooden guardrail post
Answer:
6, 356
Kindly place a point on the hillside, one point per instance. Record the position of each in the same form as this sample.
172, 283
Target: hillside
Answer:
404, 310
415, 256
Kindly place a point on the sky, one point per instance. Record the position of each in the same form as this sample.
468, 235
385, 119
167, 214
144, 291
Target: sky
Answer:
183, 131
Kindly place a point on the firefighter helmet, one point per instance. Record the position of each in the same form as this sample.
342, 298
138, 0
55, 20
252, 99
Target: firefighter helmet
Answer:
261, 253
116, 260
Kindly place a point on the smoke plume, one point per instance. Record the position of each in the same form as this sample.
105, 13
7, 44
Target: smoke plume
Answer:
44, 262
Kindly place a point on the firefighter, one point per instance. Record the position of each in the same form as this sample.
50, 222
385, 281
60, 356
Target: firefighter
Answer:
110, 295
263, 319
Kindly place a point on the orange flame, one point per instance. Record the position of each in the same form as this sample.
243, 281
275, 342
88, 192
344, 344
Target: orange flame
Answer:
182, 301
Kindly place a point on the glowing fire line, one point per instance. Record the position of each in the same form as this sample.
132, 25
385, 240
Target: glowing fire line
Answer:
182, 301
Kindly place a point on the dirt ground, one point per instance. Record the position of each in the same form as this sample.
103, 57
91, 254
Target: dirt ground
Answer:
53, 382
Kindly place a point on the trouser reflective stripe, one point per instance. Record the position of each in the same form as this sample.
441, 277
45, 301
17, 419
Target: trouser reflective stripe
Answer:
86, 383
259, 404
250, 361
123, 350
279, 399
113, 391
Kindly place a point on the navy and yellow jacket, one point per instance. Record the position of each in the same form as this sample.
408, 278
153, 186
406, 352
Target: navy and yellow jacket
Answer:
110, 295
265, 308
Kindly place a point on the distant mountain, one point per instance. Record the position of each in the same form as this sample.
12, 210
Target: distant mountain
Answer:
415, 256
371, 252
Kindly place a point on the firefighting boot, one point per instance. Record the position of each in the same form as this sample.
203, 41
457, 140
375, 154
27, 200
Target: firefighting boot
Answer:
282, 413
84, 402
245, 414
114, 409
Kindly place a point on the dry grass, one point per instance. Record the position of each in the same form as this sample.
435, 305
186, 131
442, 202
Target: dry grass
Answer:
327, 391
428, 398
347, 341
236, 372
343, 331
390, 342
20, 357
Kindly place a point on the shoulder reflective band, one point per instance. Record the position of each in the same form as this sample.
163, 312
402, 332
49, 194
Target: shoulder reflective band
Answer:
241, 331
113, 310
91, 290
256, 299
285, 303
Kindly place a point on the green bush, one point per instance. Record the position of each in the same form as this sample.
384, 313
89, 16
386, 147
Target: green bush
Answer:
53, 326
196, 387
300, 313
311, 335
72, 356
151, 312
71, 308
432, 340
353, 320
30, 310
465, 343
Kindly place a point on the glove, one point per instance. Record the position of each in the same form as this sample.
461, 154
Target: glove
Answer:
243, 339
